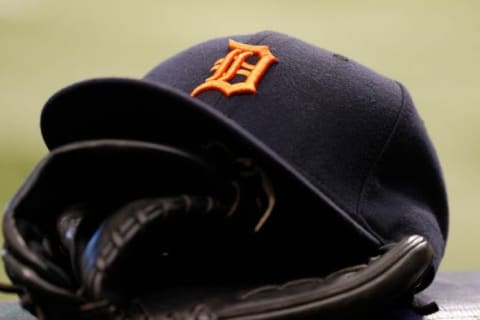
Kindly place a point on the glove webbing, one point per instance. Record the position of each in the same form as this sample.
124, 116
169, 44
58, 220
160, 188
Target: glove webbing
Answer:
130, 223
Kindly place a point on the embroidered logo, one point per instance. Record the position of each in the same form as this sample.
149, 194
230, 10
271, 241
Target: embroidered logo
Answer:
234, 65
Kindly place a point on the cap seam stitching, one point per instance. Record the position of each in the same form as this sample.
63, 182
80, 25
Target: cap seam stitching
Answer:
269, 34
382, 151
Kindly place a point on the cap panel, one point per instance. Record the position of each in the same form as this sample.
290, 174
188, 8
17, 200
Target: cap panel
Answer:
405, 192
329, 117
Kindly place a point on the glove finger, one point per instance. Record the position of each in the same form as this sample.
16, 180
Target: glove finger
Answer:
359, 292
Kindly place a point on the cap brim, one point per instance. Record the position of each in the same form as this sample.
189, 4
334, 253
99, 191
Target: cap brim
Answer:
119, 108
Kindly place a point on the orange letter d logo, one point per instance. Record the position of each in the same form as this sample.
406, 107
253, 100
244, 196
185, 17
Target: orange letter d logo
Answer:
235, 64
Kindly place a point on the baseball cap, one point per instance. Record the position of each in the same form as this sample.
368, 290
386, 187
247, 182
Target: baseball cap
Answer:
322, 123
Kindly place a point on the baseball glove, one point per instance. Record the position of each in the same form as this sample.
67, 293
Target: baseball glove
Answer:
115, 229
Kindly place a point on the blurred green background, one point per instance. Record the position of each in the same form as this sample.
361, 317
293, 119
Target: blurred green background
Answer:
431, 46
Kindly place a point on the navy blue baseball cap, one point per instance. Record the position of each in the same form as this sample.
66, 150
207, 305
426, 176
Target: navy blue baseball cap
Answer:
324, 124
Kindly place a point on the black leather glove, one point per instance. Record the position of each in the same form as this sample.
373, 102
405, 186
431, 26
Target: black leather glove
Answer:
113, 229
